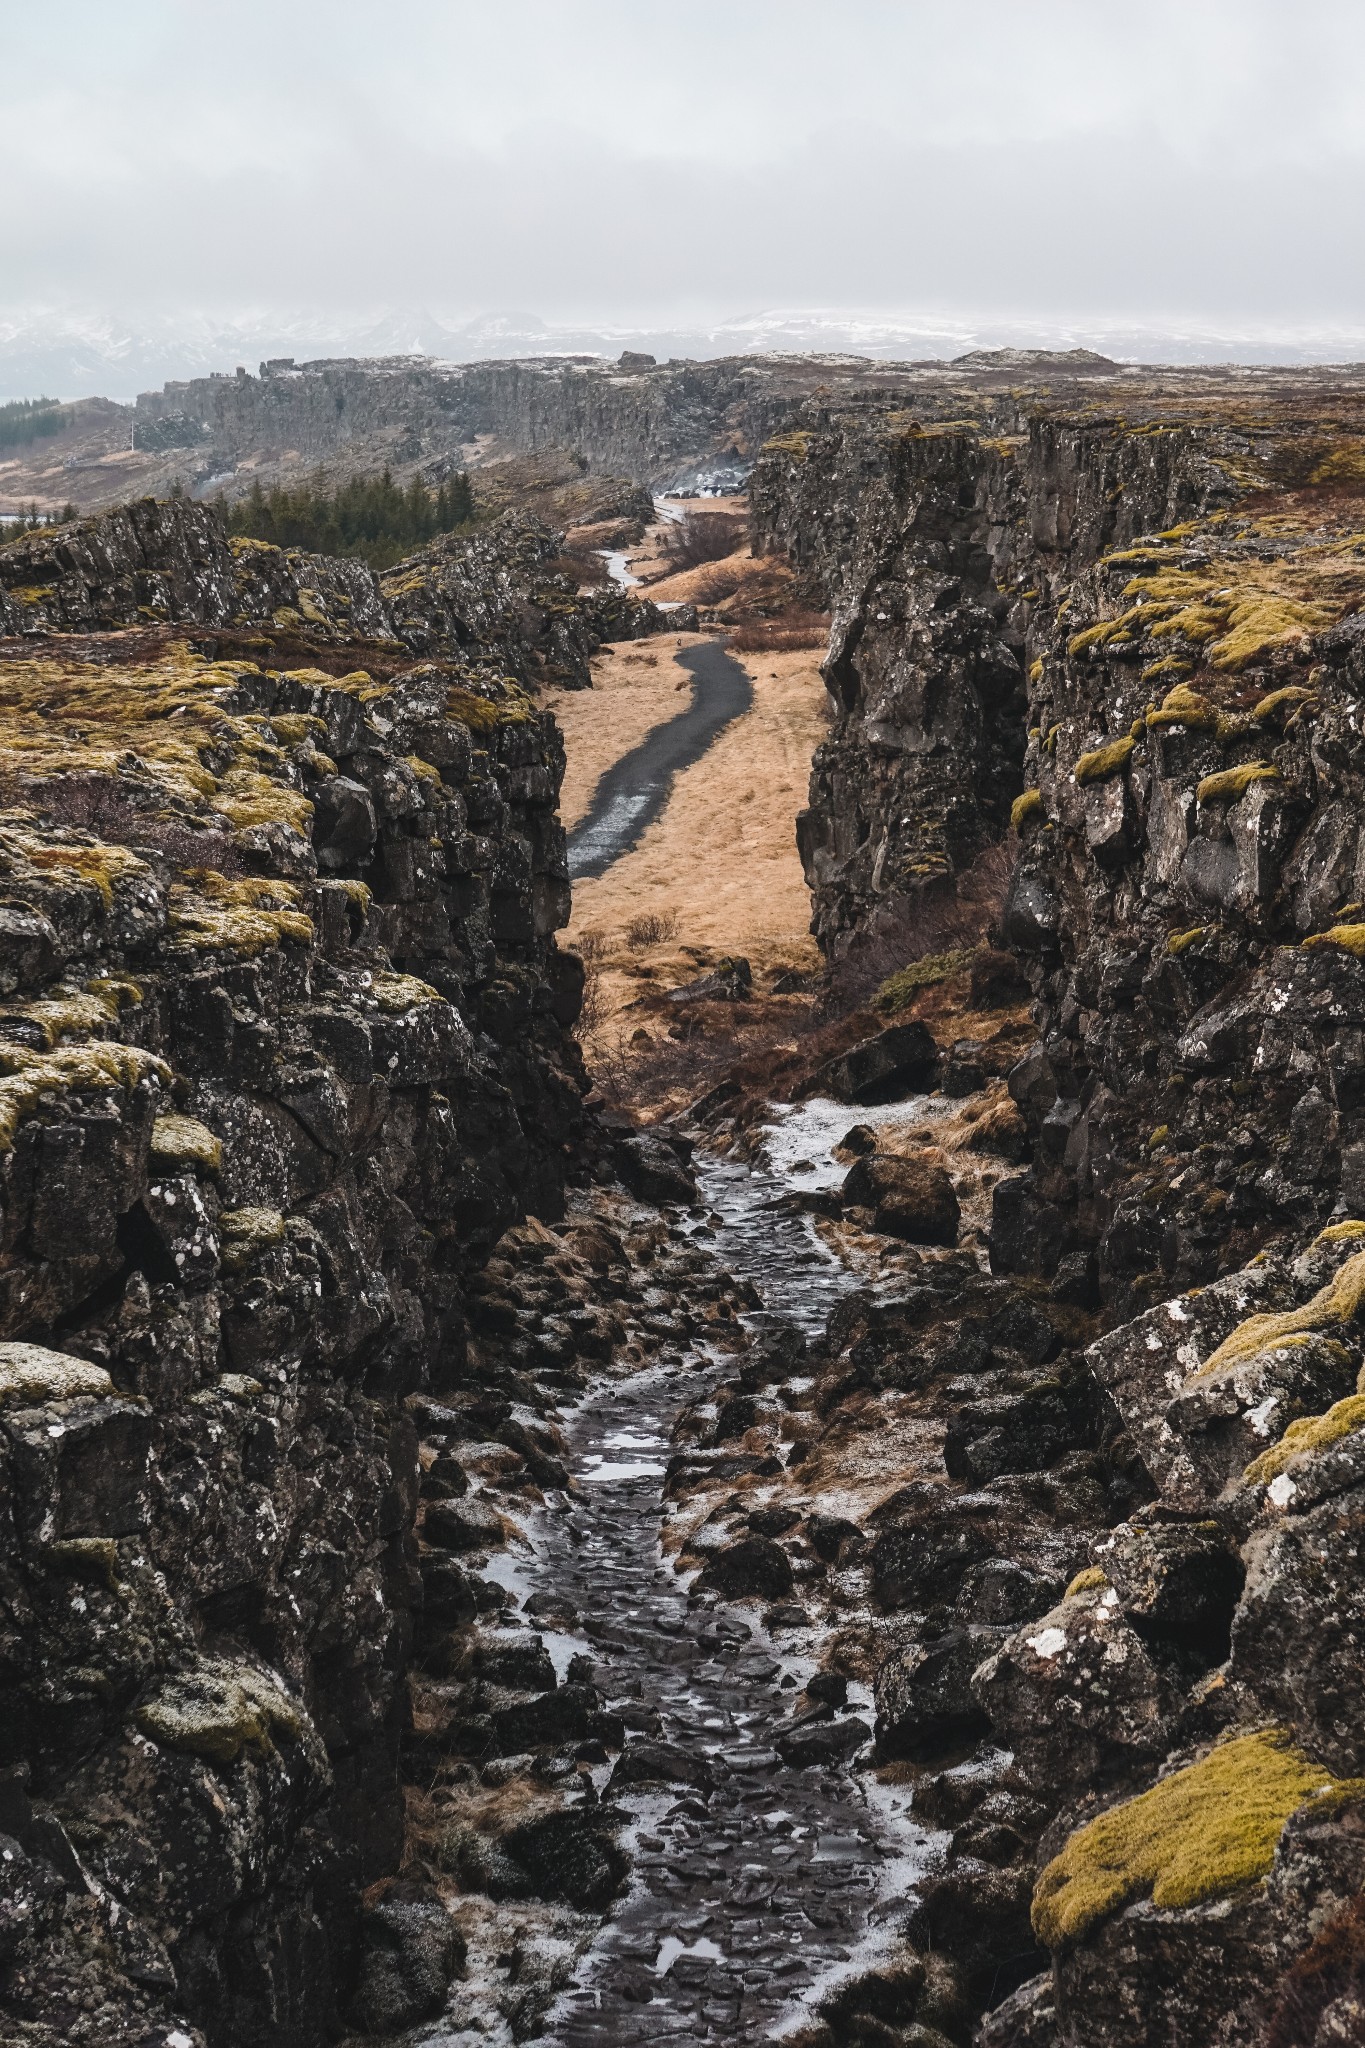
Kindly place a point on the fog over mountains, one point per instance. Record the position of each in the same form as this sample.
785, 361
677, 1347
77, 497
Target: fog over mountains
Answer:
75, 354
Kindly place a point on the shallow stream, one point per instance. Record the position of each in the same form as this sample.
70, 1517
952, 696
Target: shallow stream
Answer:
748, 1898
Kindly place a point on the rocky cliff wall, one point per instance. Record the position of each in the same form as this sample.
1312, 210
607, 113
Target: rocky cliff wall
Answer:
645, 423
936, 550
283, 1051
493, 597
1163, 1817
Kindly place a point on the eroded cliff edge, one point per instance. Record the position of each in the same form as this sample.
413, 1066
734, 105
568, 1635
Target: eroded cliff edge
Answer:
284, 1050
1161, 603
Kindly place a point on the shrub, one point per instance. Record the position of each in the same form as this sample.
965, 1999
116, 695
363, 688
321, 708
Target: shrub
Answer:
654, 928
700, 537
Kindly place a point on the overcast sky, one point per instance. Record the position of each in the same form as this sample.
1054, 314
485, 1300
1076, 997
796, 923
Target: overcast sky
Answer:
643, 160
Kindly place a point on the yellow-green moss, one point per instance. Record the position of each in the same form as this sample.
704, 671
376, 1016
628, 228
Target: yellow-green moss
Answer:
399, 992
218, 1711
31, 1376
1203, 1832
1169, 665
1088, 1581
26, 1077
1341, 1233
1035, 674
1158, 1137
209, 911
796, 444
1338, 1303
1024, 807
1107, 633
897, 990
1105, 761
423, 770
247, 1233
180, 1141
1308, 1433
1349, 936
1183, 706
1288, 699
1176, 942
69, 1013
485, 714
1231, 783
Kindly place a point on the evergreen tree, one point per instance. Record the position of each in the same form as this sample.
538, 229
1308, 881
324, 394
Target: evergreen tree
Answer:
371, 517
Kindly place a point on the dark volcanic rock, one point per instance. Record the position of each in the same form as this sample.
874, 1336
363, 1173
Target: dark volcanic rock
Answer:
410, 1951
910, 1198
897, 1061
750, 1567
651, 1169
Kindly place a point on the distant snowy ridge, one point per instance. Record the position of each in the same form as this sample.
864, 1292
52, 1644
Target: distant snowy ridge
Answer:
66, 354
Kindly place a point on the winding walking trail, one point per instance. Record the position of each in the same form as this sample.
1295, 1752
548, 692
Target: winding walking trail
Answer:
634, 790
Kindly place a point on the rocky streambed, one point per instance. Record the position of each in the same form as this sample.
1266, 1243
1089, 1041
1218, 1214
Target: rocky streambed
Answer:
768, 1863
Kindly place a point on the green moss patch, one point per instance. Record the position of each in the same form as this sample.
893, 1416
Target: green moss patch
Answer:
897, 990
1102, 762
1231, 783
30, 1376
1308, 1433
1334, 1305
181, 1141
27, 1077
1202, 1833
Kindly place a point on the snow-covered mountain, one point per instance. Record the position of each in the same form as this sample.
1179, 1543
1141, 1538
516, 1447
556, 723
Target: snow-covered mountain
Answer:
73, 354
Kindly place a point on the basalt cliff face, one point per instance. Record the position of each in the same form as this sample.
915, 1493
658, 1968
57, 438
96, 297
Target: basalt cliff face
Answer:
493, 598
284, 1053
1133, 642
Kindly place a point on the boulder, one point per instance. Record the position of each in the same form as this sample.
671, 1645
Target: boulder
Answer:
910, 1198
822, 1742
410, 1949
570, 1855
923, 1693
882, 1069
647, 1762
652, 1170
752, 1567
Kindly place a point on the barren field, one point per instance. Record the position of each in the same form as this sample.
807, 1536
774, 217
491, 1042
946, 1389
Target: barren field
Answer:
719, 869
636, 685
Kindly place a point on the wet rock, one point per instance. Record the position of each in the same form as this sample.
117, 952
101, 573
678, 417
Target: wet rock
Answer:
910, 1198
567, 1714
923, 1693
822, 1742
1077, 1695
922, 1553
1000, 1592
570, 1855
752, 1567
652, 1170
1178, 1584
659, 1763
464, 1525
1026, 2019
882, 1069
410, 1950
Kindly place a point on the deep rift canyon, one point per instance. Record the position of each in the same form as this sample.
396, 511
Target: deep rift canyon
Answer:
682, 1251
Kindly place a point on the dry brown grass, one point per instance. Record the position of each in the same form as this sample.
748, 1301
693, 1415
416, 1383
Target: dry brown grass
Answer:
636, 685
